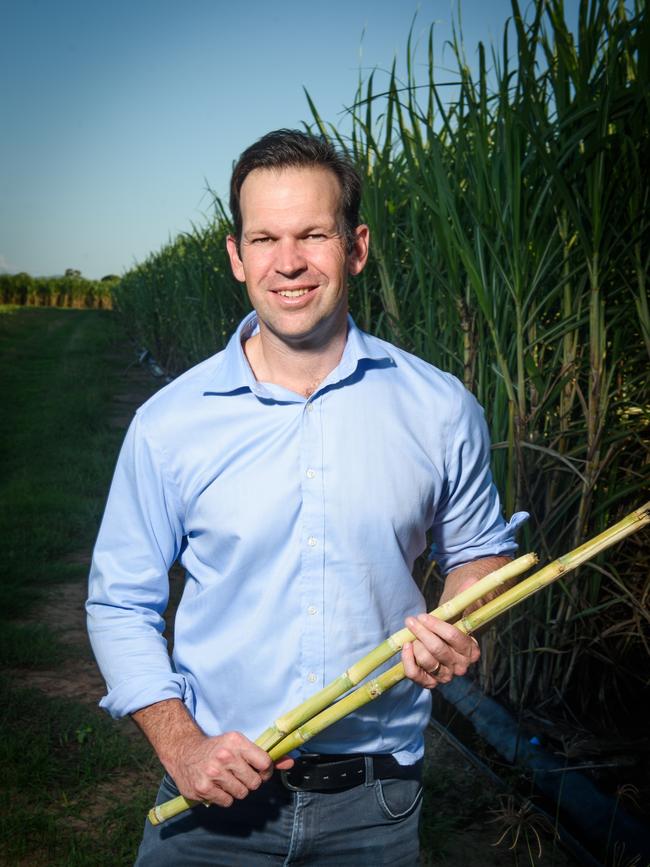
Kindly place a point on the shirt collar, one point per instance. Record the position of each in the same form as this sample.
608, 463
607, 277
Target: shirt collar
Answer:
235, 375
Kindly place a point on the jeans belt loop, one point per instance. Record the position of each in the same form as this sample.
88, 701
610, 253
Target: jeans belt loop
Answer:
370, 771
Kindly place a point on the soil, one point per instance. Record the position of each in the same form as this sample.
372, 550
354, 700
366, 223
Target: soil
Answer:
468, 823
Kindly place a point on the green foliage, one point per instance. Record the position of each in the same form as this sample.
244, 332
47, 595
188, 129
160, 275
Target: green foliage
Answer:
182, 303
515, 255
71, 290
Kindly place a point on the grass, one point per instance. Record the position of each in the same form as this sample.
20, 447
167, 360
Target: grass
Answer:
29, 645
58, 449
77, 784
62, 762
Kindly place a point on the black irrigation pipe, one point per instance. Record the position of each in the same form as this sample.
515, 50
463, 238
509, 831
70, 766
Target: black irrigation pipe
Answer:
599, 819
574, 846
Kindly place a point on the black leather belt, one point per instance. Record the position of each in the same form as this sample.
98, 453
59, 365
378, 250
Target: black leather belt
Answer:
323, 773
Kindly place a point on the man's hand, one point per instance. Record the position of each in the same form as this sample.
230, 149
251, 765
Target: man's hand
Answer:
440, 651
218, 769
221, 769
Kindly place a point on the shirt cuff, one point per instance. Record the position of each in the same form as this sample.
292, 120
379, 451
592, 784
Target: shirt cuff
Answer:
500, 543
141, 691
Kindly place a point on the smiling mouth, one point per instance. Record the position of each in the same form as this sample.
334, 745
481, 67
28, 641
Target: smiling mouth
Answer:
293, 293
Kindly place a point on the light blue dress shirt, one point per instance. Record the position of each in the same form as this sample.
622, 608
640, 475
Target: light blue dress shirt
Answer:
298, 522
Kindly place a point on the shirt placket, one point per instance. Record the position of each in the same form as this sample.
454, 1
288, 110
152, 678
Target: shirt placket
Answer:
313, 547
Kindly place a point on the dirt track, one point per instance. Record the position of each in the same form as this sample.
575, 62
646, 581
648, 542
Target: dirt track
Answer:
77, 676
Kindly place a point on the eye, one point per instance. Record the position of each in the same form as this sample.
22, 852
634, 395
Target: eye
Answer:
316, 236
263, 239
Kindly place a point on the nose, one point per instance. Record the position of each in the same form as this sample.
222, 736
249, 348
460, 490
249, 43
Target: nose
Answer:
290, 258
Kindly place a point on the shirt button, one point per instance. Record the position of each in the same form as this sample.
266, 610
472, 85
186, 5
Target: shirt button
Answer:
312, 609
310, 473
310, 407
311, 677
312, 541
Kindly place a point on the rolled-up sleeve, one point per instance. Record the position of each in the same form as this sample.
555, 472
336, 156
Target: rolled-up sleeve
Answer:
468, 523
138, 541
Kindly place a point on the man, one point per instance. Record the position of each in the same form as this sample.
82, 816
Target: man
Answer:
295, 476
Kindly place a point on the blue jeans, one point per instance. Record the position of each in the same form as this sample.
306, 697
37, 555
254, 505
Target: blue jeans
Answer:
375, 823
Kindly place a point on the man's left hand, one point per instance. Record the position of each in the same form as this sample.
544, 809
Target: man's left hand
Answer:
439, 653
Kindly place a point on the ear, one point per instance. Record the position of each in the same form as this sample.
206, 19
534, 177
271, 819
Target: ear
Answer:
235, 261
358, 256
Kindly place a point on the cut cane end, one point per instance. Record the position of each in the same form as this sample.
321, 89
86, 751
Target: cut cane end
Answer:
155, 817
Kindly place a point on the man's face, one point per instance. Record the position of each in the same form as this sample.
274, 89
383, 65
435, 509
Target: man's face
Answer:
293, 255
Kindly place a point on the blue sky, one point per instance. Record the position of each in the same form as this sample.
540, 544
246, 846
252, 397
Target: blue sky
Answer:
117, 115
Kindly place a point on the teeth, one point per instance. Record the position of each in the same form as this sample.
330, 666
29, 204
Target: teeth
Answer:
293, 293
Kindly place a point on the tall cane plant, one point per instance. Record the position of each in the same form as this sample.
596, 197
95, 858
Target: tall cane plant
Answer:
510, 232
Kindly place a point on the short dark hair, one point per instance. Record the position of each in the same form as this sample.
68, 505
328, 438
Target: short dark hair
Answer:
292, 148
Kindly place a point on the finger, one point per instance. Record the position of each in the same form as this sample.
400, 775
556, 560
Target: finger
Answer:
424, 626
226, 787
429, 648
231, 771
237, 780
443, 674
413, 670
218, 797
253, 755
233, 786
259, 760
249, 754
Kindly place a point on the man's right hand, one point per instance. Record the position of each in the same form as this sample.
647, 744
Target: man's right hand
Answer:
218, 769
221, 769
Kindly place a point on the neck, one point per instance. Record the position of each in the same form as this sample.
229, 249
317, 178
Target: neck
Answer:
299, 369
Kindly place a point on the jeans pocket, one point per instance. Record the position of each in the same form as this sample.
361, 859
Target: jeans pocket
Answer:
167, 789
398, 798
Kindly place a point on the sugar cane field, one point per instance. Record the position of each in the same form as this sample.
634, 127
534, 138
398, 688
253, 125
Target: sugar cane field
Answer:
510, 229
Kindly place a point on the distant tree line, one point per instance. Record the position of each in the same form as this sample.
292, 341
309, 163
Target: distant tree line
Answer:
69, 290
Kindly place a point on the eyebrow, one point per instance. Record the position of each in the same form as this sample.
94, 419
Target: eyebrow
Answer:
306, 230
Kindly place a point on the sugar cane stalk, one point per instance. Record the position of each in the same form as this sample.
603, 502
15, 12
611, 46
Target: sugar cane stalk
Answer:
448, 611
356, 673
377, 686
374, 688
